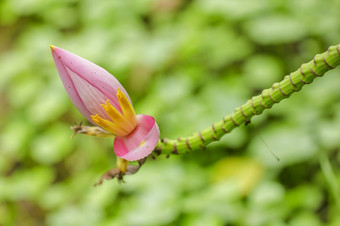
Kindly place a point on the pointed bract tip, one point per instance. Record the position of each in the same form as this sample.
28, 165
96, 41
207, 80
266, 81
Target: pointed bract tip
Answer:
52, 47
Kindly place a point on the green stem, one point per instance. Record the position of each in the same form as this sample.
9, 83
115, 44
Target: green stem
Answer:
256, 105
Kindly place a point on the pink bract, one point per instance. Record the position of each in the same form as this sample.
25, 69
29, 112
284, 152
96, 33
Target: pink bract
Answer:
141, 142
87, 84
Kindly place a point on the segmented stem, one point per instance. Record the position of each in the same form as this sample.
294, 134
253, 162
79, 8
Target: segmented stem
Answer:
256, 105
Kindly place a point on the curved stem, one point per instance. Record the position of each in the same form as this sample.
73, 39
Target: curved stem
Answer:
291, 83
256, 105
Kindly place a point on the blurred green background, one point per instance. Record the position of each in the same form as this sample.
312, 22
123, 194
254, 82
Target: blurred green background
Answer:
187, 63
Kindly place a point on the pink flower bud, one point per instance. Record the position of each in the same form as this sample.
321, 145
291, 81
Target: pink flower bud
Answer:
103, 100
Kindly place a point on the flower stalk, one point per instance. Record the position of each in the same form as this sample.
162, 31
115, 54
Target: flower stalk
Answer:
291, 83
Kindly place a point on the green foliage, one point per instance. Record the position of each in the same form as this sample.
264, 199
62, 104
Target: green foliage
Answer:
187, 63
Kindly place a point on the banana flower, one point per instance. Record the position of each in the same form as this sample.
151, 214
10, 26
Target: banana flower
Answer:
104, 102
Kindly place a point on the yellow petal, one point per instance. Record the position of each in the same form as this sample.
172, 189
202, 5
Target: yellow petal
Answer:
109, 126
118, 118
128, 111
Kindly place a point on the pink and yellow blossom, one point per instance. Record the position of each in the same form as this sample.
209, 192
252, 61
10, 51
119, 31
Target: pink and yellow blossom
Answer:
103, 101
